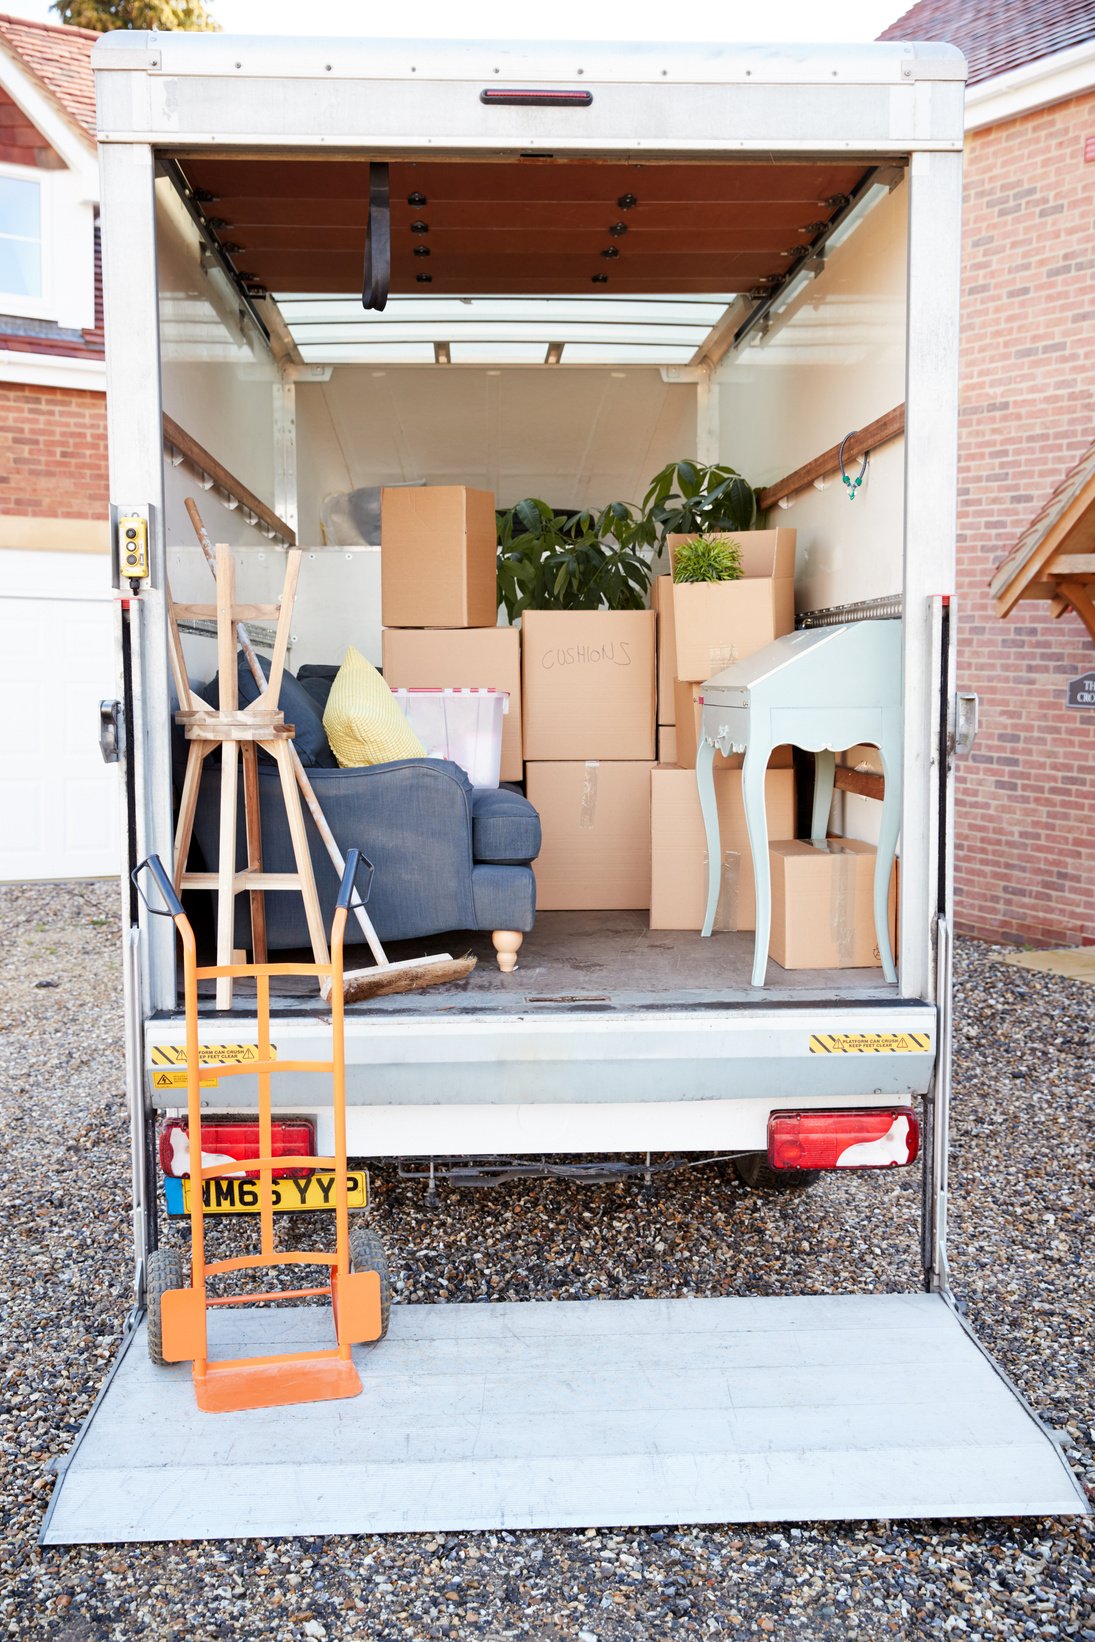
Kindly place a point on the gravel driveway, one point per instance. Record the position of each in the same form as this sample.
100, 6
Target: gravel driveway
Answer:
1021, 1252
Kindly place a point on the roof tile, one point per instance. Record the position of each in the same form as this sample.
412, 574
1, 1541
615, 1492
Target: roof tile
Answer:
998, 35
60, 59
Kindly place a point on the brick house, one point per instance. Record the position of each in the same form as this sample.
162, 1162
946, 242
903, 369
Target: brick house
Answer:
57, 800
1025, 847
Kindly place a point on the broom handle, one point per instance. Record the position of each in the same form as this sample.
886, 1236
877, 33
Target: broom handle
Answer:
307, 790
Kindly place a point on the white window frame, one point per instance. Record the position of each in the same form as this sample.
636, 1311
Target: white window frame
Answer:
33, 307
70, 196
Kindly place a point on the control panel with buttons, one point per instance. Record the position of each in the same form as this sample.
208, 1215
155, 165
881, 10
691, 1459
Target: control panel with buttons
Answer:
133, 548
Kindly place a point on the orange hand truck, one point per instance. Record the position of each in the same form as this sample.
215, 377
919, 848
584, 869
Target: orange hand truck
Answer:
358, 1286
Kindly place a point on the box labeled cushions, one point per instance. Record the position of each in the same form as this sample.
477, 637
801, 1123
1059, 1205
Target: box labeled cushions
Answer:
438, 550
595, 818
678, 890
588, 679
468, 658
718, 623
823, 905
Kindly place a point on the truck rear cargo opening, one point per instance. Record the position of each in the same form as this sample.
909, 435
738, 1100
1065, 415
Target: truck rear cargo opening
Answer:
731, 258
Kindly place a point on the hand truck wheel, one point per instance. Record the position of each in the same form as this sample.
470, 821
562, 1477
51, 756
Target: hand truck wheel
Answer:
367, 1254
163, 1271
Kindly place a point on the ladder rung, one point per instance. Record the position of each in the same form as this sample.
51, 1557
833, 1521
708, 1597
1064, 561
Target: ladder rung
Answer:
247, 1262
242, 880
273, 1294
243, 1069
221, 1171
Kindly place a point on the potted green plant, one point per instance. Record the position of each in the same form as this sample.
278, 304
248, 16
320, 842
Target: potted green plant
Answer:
591, 560
691, 498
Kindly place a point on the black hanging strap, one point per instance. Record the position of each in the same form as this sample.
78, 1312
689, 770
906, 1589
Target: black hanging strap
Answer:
378, 240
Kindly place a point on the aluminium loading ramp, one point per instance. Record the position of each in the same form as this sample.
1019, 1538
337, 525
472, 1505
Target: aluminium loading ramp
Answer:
575, 1413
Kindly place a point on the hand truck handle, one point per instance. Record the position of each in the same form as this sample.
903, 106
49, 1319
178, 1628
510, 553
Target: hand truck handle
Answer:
354, 861
174, 907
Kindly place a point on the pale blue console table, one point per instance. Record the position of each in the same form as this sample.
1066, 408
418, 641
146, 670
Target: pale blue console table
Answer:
825, 689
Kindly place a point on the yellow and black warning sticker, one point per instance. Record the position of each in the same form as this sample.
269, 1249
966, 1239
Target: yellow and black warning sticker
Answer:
870, 1043
169, 1061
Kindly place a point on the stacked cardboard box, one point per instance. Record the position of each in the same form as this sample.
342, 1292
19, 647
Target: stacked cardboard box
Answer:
589, 699
439, 601
823, 905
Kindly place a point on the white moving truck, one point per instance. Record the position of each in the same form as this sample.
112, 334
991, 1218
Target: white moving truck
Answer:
736, 253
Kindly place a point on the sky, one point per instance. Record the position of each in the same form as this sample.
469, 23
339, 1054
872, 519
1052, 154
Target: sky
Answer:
803, 20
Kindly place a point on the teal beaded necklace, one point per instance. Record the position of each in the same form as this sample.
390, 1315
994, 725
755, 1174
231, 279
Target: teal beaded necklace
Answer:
852, 484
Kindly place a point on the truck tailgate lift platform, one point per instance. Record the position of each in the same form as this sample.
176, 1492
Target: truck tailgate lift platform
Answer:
578, 1414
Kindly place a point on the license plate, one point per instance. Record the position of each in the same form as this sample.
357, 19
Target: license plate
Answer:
315, 1191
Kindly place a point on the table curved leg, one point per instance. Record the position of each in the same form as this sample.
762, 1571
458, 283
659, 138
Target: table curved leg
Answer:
705, 783
753, 773
824, 782
887, 849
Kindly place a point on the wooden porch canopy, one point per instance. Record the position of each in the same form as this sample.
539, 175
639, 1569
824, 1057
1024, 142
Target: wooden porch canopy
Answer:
1054, 559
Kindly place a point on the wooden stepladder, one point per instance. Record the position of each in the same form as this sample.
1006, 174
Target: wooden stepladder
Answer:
241, 732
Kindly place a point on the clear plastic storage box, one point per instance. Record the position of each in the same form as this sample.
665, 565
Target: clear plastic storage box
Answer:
463, 725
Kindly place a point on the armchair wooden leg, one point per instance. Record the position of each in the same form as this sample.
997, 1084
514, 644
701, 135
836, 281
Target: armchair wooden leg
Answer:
507, 943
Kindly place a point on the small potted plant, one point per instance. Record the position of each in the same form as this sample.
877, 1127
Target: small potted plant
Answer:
707, 559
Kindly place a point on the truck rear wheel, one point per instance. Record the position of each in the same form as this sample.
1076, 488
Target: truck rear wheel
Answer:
367, 1254
754, 1170
163, 1271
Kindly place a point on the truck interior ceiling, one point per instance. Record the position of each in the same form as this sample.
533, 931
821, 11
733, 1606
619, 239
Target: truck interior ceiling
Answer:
560, 328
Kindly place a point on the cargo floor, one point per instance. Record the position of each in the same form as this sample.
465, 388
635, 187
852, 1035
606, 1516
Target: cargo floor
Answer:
598, 958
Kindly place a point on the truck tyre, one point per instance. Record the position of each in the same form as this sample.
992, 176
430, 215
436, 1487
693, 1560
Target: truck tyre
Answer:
367, 1254
754, 1170
163, 1271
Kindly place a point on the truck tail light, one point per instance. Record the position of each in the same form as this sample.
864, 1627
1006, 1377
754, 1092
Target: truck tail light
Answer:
225, 1141
843, 1140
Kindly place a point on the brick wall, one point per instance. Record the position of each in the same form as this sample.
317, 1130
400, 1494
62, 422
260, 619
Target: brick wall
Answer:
53, 461
1025, 861
20, 142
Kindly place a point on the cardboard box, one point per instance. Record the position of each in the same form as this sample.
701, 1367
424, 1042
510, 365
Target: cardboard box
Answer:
588, 681
689, 714
661, 602
678, 847
438, 555
667, 743
717, 623
463, 658
823, 905
596, 825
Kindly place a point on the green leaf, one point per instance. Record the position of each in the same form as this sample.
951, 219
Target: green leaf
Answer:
688, 479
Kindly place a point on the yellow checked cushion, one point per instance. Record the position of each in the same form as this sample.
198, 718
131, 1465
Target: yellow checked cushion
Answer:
363, 723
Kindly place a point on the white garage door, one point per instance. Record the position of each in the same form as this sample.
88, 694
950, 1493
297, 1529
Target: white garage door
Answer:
59, 803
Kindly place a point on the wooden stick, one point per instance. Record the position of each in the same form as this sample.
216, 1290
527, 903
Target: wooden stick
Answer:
226, 631
184, 832
269, 697
280, 751
254, 848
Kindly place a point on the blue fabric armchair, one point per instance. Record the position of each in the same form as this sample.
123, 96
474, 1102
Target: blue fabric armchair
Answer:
447, 856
